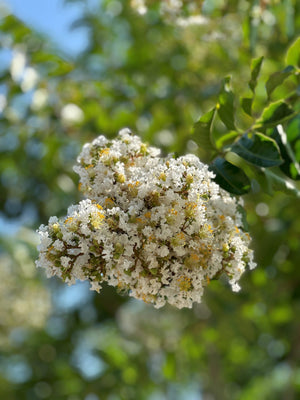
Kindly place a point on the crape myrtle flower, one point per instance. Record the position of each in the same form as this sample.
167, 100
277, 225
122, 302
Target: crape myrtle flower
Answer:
168, 8
159, 229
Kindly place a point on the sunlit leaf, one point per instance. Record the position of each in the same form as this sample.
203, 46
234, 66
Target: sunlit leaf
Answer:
256, 65
278, 78
225, 106
293, 54
226, 139
275, 114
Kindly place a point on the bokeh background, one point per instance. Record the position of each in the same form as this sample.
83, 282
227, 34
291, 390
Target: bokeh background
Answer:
69, 71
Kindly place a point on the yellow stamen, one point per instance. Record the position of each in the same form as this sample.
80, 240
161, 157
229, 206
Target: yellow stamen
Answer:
185, 283
104, 152
108, 201
96, 219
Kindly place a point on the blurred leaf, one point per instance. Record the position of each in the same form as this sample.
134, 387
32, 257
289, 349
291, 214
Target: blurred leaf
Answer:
169, 369
289, 18
277, 78
246, 104
80, 23
55, 65
256, 65
275, 114
225, 106
281, 314
202, 135
230, 177
258, 149
293, 54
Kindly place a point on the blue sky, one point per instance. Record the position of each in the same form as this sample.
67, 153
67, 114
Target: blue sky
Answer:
52, 17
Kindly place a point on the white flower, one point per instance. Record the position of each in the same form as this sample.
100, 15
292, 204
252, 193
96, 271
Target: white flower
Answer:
173, 9
72, 114
158, 228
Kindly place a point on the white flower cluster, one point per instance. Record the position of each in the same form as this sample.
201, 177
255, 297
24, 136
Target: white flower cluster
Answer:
168, 8
157, 228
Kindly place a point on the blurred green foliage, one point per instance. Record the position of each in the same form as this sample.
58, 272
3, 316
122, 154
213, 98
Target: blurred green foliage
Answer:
157, 78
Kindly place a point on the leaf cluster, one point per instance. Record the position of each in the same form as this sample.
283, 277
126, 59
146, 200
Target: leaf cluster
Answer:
255, 145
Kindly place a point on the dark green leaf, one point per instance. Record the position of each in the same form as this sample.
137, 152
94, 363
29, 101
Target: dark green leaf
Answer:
277, 78
246, 104
255, 70
258, 149
293, 54
202, 135
230, 177
225, 106
274, 114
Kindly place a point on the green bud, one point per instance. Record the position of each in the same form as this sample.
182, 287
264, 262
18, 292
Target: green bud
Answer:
120, 178
143, 149
189, 179
154, 271
225, 248
119, 248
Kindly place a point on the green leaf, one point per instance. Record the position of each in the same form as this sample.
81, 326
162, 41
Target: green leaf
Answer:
277, 78
243, 213
293, 54
202, 135
256, 64
169, 368
275, 114
230, 177
225, 106
258, 150
291, 165
55, 65
278, 183
226, 139
293, 129
246, 104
